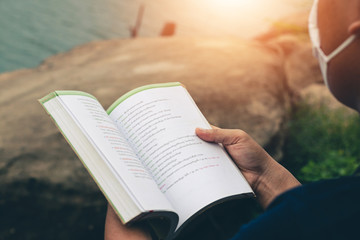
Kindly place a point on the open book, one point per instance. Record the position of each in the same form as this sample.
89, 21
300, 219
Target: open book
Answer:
145, 156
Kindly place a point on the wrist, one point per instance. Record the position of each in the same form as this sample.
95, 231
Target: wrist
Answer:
274, 181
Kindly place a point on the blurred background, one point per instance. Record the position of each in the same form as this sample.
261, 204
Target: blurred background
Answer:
247, 63
34, 30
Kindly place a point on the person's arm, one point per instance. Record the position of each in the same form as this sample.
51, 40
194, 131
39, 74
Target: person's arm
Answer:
267, 177
115, 230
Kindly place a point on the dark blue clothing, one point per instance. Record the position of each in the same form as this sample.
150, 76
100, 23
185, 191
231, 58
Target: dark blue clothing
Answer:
328, 209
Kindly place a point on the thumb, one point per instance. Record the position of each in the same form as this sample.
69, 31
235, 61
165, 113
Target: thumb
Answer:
218, 135
205, 134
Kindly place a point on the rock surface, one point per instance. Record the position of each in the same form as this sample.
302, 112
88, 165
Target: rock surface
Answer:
236, 83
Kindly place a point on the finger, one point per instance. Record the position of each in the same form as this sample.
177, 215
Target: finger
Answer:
111, 215
115, 230
218, 135
113, 226
204, 134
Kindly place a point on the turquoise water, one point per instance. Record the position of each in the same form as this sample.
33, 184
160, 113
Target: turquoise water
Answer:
32, 30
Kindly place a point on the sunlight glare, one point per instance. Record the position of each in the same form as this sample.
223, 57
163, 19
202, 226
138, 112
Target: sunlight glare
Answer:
239, 17
232, 3
232, 8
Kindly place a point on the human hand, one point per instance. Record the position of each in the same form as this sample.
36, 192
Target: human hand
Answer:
115, 230
267, 177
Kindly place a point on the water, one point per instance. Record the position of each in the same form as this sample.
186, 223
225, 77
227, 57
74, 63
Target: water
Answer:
32, 30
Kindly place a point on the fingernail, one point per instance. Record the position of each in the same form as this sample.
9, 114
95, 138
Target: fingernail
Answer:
202, 130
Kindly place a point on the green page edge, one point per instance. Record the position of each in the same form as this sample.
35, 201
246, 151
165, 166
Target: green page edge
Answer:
63, 92
139, 89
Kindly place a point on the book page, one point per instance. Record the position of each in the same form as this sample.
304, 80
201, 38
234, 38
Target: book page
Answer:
116, 151
160, 125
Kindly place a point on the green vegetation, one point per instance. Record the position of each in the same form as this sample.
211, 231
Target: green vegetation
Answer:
282, 27
322, 143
